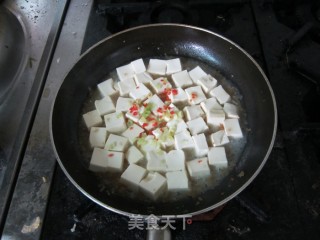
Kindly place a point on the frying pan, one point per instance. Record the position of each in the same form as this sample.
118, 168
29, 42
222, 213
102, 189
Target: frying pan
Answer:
160, 41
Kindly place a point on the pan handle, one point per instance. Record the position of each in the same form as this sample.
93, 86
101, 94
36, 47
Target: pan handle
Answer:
159, 234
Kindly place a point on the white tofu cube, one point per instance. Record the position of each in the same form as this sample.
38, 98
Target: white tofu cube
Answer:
103, 160
144, 78
217, 157
175, 160
147, 144
182, 79
193, 111
106, 88
183, 141
207, 83
198, 168
220, 94
133, 175
157, 67
159, 85
123, 104
98, 137
132, 133
126, 86
125, 72
196, 74
156, 161
135, 112
201, 145
178, 96
154, 184
215, 118
210, 104
92, 119
105, 106
99, 161
173, 66
155, 104
133, 155
177, 181
232, 128
138, 66
140, 92
195, 95
197, 125
166, 138
115, 161
116, 143
219, 138
115, 122
231, 110
177, 125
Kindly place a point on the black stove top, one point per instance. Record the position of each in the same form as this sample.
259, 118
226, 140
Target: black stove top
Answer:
283, 202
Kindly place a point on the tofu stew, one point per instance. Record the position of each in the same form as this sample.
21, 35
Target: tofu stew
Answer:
166, 128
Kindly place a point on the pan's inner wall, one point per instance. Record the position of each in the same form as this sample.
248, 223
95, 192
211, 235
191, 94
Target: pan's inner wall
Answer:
160, 41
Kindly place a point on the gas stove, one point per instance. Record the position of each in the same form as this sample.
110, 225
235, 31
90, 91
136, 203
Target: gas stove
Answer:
283, 202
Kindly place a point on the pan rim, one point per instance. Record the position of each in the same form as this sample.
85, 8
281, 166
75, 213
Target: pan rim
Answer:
226, 199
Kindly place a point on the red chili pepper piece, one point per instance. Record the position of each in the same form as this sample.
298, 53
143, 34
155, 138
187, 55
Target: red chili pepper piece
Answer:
194, 95
110, 155
155, 124
172, 112
159, 110
144, 125
199, 161
174, 91
135, 113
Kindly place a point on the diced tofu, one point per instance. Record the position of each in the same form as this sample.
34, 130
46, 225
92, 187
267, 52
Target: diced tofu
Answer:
217, 157
232, 128
231, 110
156, 161
98, 137
175, 160
184, 141
156, 103
105, 106
159, 85
215, 118
207, 83
166, 138
133, 155
154, 184
196, 74
144, 78
198, 168
140, 92
135, 112
210, 104
177, 181
138, 66
133, 175
115, 161
132, 133
195, 95
182, 79
116, 143
115, 122
201, 145
220, 94
123, 104
147, 144
177, 125
197, 125
92, 119
157, 67
193, 111
219, 138
173, 66
125, 72
103, 160
106, 88
99, 161
178, 95
126, 86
